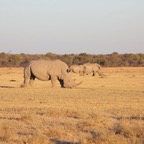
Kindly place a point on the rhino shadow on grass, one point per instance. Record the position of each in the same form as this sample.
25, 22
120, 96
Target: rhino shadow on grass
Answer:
55, 141
7, 87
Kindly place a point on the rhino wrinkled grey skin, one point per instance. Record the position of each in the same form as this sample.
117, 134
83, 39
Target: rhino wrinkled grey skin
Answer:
49, 70
92, 68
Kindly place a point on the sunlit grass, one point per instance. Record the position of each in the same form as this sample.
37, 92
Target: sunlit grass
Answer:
100, 110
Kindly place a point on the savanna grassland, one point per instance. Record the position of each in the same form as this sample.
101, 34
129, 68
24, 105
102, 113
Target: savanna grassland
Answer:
107, 110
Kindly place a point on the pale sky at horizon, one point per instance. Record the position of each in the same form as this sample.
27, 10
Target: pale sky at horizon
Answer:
71, 26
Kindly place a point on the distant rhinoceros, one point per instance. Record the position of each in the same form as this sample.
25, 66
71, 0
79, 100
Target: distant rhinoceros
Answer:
49, 70
78, 69
92, 68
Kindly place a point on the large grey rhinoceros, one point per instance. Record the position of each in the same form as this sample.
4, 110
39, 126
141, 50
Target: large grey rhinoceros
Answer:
49, 70
78, 69
92, 68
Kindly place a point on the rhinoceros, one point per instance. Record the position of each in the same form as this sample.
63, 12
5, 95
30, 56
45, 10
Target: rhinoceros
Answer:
92, 68
49, 70
78, 69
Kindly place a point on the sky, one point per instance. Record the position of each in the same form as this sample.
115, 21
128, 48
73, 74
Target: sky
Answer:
71, 26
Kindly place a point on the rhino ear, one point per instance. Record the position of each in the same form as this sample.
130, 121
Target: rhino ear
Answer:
68, 70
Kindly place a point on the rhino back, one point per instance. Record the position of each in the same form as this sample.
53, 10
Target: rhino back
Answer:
75, 68
88, 68
96, 67
42, 69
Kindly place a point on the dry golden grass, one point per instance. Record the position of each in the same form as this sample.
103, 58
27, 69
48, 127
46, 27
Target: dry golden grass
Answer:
106, 110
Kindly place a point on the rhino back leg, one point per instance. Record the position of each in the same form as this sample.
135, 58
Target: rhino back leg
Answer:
26, 76
26, 82
93, 73
32, 78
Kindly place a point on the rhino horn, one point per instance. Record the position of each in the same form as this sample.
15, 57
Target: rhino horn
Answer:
77, 84
71, 84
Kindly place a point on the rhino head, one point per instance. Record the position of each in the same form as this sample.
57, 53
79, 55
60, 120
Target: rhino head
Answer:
68, 82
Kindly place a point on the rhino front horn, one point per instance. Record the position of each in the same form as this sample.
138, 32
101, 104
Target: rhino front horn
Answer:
77, 84
71, 83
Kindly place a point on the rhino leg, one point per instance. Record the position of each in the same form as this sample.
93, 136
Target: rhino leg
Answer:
61, 82
27, 74
81, 73
94, 73
53, 80
26, 81
31, 80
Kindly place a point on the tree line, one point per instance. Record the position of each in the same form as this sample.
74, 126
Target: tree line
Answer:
107, 60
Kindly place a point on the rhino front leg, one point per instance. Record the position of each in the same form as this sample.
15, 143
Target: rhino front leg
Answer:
61, 82
53, 80
93, 73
